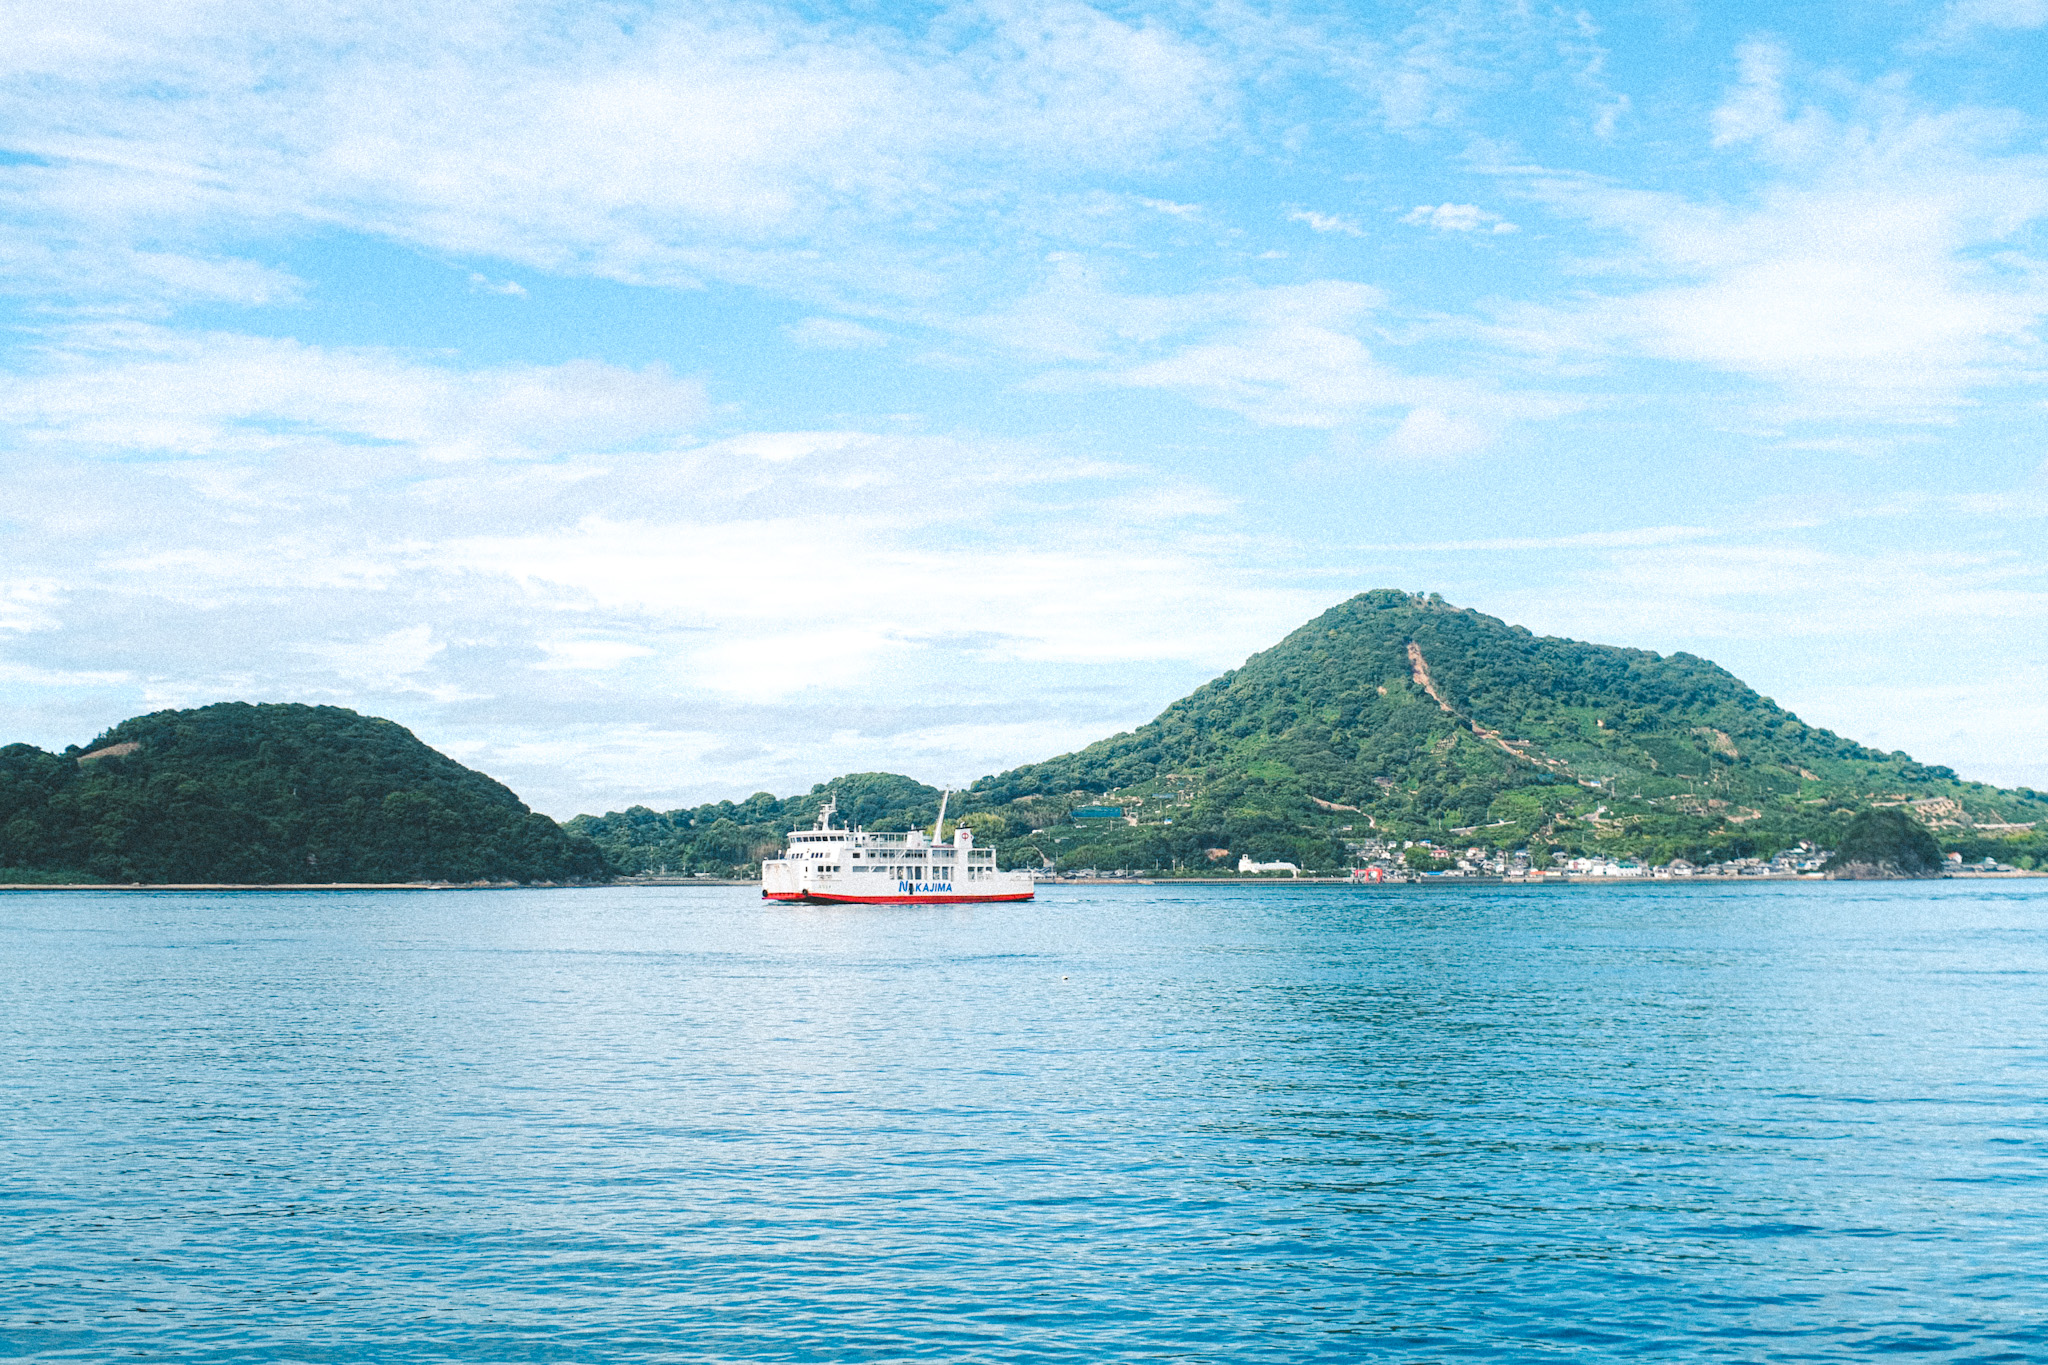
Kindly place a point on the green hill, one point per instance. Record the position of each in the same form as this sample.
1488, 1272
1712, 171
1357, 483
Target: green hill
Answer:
1402, 716
260, 794
725, 838
1398, 716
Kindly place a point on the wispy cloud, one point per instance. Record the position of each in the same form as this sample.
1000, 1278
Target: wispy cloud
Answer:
485, 285
1457, 218
127, 389
1326, 222
836, 334
1584, 540
1965, 18
714, 143
1033, 312
1878, 265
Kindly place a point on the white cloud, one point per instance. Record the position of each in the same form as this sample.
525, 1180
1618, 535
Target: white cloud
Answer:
1456, 218
1646, 535
1432, 434
723, 141
1291, 376
823, 595
844, 566
776, 588
776, 664
835, 334
29, 604
390, 663
483, 284
1076, 314
1287, 356
1754, 111
1326, 222
55, 677
590, 655
1877, 267
129, 389
1964, 17
39, 253
783, 447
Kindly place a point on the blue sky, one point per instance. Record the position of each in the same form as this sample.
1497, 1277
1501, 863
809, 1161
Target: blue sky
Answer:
653, 404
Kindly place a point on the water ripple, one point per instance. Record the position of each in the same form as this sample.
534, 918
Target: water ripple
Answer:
1788, 1123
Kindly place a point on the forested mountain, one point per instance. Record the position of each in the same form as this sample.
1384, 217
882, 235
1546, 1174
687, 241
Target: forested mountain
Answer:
272, 793
1400, 716
1390, 716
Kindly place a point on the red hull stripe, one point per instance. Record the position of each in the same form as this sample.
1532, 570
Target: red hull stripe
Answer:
886, 900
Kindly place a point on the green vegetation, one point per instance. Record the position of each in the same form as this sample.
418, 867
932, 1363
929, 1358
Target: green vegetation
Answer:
724, 839
1402, 717
1886, 843
1391, 716
1395, 716
44, 876
1420, 859
256, 794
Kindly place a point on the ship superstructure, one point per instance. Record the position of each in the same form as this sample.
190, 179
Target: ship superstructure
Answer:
855, 866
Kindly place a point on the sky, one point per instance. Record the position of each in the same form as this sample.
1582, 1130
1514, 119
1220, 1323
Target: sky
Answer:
659, 404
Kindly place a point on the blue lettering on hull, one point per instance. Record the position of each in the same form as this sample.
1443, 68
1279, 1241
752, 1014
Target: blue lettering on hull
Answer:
924, 888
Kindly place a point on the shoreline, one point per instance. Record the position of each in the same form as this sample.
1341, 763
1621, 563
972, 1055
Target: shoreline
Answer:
1317, 882
1556, 879
300, 886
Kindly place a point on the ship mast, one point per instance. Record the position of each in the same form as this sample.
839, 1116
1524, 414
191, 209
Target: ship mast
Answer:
940, 823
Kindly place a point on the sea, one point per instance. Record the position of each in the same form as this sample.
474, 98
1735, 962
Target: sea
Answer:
1769, 1122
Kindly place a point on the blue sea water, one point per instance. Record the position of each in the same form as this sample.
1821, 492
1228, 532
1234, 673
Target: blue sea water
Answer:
1714, 1122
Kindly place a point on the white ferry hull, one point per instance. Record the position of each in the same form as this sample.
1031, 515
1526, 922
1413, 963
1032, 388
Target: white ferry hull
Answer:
780, 881
831, 866
910, 898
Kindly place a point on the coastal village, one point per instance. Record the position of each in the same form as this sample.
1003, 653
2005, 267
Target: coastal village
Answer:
1391, 861
1398, 862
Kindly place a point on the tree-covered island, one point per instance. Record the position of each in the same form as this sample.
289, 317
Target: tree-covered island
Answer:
1395, 719
1394, 727
269, 794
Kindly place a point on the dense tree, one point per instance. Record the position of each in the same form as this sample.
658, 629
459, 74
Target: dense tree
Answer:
272, 793
1886, 842
1403, 717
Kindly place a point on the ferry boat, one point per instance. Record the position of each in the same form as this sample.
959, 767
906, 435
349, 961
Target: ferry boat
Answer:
855, 867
